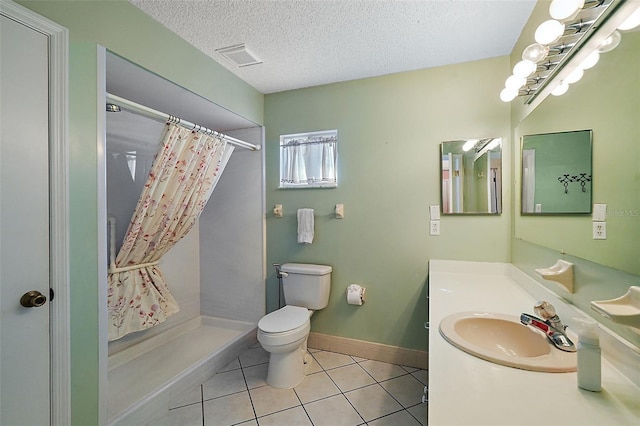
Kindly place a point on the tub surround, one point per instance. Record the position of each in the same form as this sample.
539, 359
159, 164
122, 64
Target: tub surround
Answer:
492, 394
170, 363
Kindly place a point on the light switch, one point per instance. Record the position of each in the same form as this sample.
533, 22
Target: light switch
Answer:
434, 212
599, 213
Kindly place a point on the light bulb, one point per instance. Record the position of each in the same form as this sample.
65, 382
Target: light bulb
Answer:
549, 31
493, 144
560, 89
469, 144
575, 76
535, 52
524, 68
631, 22
591, 60
610, 42
565, 9
514, 82
507, 95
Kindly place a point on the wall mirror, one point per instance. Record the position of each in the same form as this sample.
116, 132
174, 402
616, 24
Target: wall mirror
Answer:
471, 176
610, 108
556, 173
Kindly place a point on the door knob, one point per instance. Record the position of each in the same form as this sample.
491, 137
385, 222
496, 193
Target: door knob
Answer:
33, 299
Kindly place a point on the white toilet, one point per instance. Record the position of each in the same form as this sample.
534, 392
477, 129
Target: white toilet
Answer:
283, 333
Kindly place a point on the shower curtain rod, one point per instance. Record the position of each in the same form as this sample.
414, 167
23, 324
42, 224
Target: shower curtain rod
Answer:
150, 112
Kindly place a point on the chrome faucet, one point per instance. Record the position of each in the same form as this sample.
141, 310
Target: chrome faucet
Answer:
550, 325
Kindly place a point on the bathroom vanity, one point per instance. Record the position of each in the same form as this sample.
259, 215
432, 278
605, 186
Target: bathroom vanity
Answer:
467, 390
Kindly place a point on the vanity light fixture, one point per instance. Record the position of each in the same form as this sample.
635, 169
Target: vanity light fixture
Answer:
565, 9
569, 44
631, 22
560, 89
549, 32
494, 144
611, 42
524, 68
469, 144
575, 76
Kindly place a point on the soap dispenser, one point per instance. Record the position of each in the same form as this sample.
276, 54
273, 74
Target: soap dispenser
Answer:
589, 361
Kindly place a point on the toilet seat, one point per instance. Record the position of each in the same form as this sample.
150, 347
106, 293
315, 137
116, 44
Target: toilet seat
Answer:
286, 320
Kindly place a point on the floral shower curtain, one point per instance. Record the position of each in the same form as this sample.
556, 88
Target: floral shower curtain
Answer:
182, 178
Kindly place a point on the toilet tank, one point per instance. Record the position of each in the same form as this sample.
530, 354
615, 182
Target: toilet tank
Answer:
306, 285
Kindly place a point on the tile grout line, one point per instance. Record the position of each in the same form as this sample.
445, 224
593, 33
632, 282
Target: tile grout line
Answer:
338, 387
246, 385
406, 373
202, 403
341, 392
302, 404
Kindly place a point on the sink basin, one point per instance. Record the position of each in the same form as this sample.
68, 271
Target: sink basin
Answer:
503, 340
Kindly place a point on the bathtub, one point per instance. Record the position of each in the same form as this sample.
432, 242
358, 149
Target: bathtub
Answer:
145, 377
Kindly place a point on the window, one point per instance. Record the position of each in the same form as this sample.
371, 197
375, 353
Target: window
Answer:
309, 160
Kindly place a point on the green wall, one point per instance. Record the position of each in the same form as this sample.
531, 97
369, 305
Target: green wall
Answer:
124, 29
389, 131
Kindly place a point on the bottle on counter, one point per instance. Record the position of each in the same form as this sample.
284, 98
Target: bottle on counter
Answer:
589, 357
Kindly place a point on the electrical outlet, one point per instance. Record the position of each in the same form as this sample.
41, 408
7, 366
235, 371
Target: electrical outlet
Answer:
434, 227
599, 230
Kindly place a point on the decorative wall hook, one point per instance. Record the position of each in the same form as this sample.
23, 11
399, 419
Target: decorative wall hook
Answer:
582, 178
565, 180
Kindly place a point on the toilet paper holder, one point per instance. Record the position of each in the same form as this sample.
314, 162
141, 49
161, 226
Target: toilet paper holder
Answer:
355, 294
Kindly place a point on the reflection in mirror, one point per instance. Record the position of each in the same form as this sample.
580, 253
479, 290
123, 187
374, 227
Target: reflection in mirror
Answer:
556, 173
471, 176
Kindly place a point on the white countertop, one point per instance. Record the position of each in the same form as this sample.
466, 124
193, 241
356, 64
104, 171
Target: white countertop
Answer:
469, 391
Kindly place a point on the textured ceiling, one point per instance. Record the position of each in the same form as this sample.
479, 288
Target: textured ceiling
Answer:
305, 43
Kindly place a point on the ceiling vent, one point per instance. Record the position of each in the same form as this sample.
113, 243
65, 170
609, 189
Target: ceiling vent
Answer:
239, 55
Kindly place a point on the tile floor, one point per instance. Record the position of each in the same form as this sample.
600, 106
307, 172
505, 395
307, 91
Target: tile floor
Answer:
338, 390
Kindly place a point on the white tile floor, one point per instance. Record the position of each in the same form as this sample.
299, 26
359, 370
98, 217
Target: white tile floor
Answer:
338, 390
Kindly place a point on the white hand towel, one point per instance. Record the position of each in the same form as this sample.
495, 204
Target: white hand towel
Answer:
305, 226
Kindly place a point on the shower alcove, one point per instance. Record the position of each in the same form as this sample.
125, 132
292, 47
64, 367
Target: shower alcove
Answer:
216, 273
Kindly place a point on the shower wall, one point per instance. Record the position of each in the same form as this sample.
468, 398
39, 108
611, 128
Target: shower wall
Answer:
232, 240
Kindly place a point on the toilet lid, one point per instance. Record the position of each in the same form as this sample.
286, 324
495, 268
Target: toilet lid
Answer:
284, 319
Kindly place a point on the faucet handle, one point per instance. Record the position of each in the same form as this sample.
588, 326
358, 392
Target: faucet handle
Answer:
545, 310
